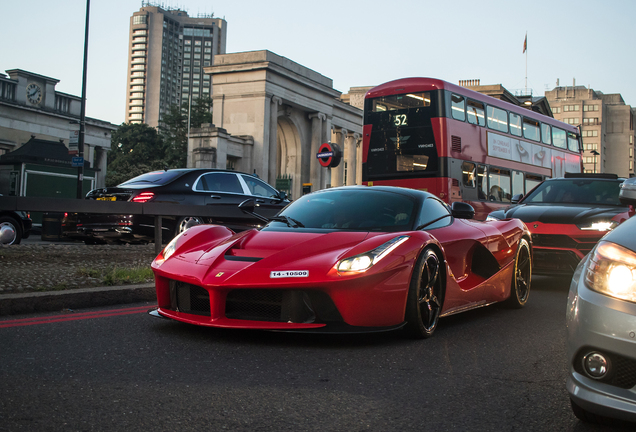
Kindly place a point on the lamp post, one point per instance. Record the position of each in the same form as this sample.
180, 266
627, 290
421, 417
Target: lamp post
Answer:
595, 153
82, 121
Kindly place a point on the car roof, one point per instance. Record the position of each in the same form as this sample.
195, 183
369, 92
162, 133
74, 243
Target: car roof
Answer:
412, 193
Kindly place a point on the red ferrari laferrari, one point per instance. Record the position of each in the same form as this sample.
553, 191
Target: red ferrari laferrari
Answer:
349, 259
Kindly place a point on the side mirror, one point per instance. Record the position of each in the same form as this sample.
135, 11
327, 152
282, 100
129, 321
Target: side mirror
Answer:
462, 210
282, 195
516, 198
627, 194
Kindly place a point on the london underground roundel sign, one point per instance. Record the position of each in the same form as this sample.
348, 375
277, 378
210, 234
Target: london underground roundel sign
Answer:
329, 155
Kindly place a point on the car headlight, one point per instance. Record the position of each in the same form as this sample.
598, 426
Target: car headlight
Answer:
170, 248
491, 218
599, 226
611, 270
365, 261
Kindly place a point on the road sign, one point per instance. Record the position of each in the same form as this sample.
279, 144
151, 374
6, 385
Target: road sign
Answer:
77, 161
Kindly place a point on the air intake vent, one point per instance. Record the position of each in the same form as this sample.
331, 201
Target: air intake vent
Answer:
456, 144
455, 182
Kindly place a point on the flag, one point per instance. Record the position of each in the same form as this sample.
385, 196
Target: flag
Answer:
525, 43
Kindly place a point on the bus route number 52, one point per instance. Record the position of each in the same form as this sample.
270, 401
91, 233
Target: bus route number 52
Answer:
400, 120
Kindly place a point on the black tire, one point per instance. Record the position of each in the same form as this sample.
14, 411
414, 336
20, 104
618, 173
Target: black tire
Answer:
10, 231
426, 296
521, 276
186, 222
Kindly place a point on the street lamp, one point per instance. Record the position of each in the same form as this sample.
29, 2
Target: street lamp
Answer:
595, 153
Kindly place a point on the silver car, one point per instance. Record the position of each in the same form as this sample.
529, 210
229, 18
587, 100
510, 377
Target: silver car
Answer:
601, 325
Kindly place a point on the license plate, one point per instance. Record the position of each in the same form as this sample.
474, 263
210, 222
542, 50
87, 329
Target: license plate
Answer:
106, 199
289, 274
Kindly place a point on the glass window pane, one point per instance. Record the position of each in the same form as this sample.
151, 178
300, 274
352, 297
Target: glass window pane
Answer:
573, 142
531, 129
468, 174
517, 183
497, 119
475, 113
558, 138
546, 134
515, 124
499, 185
482, 182
458, 108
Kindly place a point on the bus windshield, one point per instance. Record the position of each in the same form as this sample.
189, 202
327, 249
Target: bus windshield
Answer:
401, 141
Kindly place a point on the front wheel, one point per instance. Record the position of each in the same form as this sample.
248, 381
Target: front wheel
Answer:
521, 277
425, 297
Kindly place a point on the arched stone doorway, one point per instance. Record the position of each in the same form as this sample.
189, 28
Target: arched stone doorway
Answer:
289, 154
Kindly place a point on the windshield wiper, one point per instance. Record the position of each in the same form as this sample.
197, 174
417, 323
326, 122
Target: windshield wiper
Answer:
291, 222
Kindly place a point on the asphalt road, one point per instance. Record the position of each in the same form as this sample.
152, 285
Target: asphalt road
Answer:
115, 369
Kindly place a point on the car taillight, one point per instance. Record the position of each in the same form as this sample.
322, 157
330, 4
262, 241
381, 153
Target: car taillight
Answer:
65, 214
143, 197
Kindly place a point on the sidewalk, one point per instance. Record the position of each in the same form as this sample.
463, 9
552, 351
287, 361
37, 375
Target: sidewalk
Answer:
35, 273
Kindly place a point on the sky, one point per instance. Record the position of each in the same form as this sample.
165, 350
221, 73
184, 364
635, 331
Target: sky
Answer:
354, 43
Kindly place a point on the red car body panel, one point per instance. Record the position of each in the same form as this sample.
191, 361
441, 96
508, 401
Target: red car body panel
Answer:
212, 258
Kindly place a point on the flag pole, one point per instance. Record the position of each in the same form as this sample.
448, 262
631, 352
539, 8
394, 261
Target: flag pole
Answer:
525, 49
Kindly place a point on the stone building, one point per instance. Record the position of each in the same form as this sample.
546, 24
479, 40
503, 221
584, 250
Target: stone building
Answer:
607, 126
271, 115
167, 52
30, 107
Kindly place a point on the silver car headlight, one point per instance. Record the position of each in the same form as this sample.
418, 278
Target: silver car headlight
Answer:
599, 226
365, 261
611, 270
490, 218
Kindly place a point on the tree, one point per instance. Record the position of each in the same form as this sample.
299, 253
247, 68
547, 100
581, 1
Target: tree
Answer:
135, 149
174, 128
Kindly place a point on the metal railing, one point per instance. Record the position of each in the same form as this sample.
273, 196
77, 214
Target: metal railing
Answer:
157, 210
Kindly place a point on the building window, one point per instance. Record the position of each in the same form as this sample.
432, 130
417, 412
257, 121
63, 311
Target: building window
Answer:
590, 107
570, 108
139, 19
556, 110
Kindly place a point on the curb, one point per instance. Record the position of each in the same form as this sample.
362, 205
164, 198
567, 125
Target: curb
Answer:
14, 304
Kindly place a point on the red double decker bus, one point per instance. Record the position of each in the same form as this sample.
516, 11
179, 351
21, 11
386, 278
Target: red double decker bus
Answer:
460, 145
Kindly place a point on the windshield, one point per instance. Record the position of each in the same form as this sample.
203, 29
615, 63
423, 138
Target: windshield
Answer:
401, 141
361, 209
576, 191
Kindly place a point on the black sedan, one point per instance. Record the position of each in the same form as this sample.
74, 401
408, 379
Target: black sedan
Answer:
567, 217
191, 186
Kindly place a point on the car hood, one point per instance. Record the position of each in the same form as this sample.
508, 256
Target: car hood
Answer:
249, 258
558, 213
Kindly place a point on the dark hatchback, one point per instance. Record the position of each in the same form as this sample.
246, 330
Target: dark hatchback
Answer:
567, 216
196, 186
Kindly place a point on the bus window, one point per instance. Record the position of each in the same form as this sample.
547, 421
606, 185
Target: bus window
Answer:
475, 113
515, 124
546, 134
458, 107
573, 142
558, 138
482, 182
497, 119
499, 180
402, 101
531, 181
412, 162
468, 174
517, 183
531, 129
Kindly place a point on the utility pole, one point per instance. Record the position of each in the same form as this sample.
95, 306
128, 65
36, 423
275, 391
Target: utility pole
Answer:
82, 122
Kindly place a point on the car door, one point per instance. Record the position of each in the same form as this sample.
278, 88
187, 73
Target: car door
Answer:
267, 198
224, 191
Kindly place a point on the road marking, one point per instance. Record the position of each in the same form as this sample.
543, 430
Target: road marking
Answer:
71, 316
